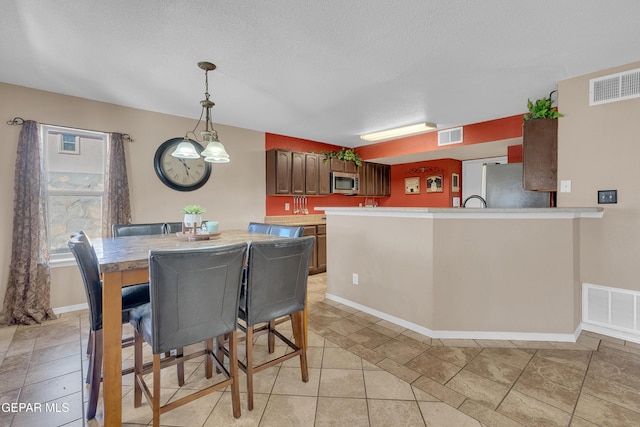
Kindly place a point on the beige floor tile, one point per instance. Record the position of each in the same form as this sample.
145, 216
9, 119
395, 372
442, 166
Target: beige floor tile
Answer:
340, 412
58, 352
613, 392
412, 342
394, 413
541, 388
398, 351
532, 344
314, 359
603, 413
433, 367
458, 343
369, 338
486, 415
339, 358
383, 385
391, 326
385, 331
54, 368
619, 369
53, 388
222, 414
399, 370
417, 336
289, 411
495, 343
289, 381
366, 354
21, 347
478, 388
345, 326
7, 398
56, 412
348, 383
568, 376
516, 357
194, 413
263, 381
423, 396
458, 356
576, 359
532, 412
494, 370
438, 414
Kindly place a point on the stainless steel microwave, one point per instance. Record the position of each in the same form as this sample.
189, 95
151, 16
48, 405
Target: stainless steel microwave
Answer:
345, 183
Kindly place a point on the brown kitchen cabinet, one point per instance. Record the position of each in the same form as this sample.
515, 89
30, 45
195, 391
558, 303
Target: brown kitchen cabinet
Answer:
338, 165
377, 180
311, 174
324, 176
540, 154
319, 256
279, 172
297, 173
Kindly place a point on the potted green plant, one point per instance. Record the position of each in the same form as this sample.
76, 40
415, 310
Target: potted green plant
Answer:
542, 109
346, 154
540, 145
193, 215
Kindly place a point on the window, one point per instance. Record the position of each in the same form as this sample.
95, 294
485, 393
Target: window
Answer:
74, 184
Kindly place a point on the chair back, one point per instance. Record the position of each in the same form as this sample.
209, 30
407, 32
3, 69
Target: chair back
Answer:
277, 275
172, 227
194, 294
258, 227
119, 230
85, 255
286, 231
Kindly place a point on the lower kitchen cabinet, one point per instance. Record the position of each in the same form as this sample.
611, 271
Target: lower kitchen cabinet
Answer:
319, 256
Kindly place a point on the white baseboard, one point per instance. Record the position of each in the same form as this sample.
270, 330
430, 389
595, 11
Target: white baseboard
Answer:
70, 308
603, 330
470, 335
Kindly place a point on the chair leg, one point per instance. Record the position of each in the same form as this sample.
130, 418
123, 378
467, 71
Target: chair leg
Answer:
90, 352
89, 342
233, 372
96, 374
208, 364
298, 333
156, 390
219, 346
137, 389
271, 338
180, 366
249, 351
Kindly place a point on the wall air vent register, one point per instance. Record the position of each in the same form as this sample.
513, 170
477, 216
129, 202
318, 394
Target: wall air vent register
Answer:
614, 87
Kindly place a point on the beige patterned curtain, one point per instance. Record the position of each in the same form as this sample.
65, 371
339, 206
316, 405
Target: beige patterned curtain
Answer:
27, 299
116, 208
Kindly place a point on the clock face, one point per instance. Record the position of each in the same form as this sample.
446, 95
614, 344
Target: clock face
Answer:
180, 174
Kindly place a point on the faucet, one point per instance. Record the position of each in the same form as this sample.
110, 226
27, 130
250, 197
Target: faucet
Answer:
475, 196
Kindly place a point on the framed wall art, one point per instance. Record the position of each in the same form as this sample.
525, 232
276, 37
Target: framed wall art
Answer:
412, 185
434, 184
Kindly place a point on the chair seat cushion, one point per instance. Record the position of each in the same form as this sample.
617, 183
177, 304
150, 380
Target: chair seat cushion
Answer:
140, 319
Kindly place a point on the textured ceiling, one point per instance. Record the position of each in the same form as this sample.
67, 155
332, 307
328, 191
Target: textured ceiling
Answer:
325, 70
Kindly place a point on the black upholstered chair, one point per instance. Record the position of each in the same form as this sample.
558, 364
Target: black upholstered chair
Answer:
119, 230
277, 272
207, 282
258, 227
286, 231
132, 297
173, 227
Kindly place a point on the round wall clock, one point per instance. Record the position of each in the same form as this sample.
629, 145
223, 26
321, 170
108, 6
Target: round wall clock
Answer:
180, 174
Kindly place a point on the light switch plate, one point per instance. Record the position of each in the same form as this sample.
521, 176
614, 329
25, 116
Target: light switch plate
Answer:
607, 196
565, 186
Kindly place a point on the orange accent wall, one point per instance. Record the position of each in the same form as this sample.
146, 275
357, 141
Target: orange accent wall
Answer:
444, 167
494, 130
514, 154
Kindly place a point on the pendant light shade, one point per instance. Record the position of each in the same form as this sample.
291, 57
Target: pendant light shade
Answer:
214, 151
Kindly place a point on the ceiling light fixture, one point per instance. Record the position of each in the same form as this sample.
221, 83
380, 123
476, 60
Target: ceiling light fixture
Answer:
397, 132
214, 151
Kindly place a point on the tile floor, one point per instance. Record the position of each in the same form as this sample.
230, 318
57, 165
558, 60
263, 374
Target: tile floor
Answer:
364, 371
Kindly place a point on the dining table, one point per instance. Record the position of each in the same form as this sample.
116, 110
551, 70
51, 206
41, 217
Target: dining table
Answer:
124, 261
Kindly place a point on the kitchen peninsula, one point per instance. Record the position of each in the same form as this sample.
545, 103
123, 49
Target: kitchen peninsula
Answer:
461, 273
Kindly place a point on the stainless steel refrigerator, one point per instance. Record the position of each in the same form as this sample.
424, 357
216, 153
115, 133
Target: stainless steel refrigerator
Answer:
502, 186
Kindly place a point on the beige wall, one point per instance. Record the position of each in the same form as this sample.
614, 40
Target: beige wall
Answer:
234, 195
598, 149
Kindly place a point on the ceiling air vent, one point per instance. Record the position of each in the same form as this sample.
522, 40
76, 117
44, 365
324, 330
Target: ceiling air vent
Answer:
450, 136
615, 87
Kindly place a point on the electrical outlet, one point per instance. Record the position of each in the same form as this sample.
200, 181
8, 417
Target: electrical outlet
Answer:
287, 206
565, 186
607, 196
355, 278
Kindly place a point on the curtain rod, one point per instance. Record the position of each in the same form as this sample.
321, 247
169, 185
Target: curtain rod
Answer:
19, 121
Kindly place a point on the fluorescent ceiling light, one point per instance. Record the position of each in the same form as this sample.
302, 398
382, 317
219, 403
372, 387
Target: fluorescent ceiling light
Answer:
396, 132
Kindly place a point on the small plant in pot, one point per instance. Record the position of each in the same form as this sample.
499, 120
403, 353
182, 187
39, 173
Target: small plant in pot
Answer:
193, 215
343, 154
542, 109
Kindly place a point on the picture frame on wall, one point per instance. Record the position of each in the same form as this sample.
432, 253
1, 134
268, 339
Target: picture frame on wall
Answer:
434, 184
412, 185
455, 183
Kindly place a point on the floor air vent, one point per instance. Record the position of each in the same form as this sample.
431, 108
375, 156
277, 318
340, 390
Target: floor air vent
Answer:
450, 136
611, 309
614, 87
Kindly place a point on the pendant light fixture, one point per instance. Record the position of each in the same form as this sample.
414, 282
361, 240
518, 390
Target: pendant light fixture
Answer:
214, 151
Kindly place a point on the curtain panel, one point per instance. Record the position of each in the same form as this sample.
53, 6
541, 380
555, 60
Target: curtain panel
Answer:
116, 204
27, 299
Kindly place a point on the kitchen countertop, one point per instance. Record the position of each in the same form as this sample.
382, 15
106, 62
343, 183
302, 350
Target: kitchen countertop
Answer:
470, 213
311, 219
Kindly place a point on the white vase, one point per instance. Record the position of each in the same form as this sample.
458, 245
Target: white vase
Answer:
192, 220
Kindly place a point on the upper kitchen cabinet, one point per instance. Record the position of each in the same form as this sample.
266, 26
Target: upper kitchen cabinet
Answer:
338, 165
279, 172
377, 180
295, 173
540, 154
